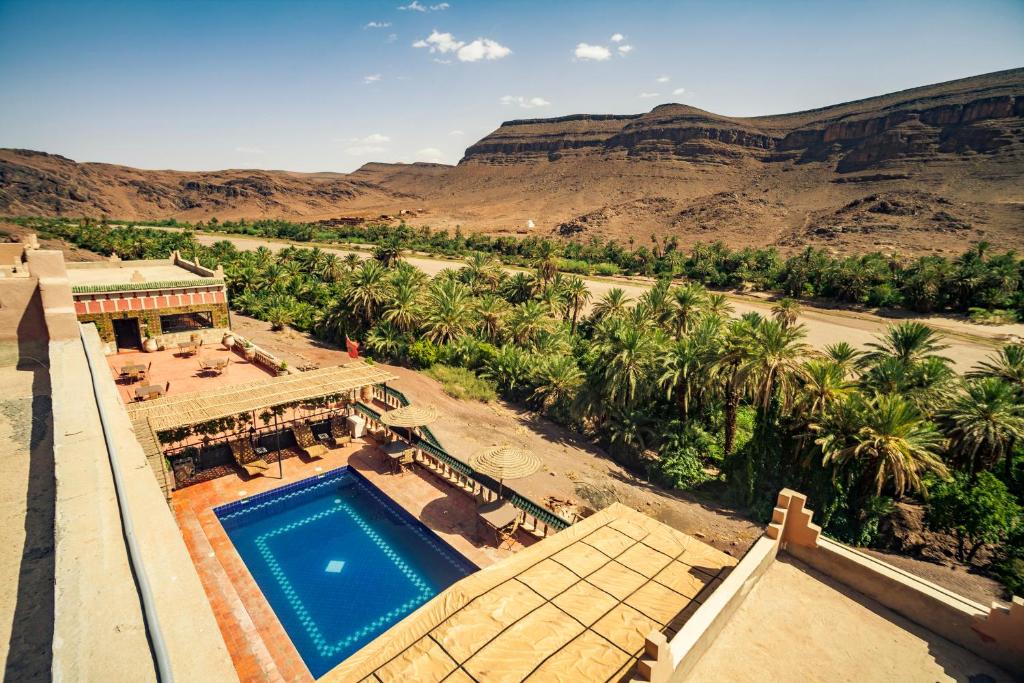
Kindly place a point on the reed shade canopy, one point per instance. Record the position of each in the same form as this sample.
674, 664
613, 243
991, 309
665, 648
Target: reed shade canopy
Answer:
409, 417
505, 462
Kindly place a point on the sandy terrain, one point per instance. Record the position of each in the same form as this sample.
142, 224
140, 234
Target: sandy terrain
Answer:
968, 343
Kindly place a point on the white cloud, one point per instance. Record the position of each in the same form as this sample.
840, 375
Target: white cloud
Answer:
429, 154
416, 6
649, 95
372, 78
456, 133
625, 49
374, 143
525, 102
481, 48
617, 38
378, 24
597, 53
662, 79
439, 42
392, 37
679, 91
441, 61
246, 149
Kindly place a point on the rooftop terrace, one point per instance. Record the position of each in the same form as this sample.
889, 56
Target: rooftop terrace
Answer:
128, 272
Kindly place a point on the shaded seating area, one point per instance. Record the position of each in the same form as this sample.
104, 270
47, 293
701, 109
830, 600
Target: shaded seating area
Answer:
306, 442
247, 458
340, 431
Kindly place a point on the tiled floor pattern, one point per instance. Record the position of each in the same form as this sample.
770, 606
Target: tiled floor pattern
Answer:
184, 373
581, 614
259, 646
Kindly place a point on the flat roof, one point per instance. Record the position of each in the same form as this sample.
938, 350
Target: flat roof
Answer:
576, 606
798, 624
123, 272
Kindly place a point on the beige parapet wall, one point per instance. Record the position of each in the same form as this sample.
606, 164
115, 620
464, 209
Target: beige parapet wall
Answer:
995, 634
100, 633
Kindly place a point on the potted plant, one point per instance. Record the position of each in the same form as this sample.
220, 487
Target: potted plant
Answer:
282, 368
248, 350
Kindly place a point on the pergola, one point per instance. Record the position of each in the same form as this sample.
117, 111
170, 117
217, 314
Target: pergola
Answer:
172, 412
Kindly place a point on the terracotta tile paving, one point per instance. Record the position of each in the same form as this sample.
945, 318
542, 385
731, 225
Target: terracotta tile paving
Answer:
183, 373
259, 645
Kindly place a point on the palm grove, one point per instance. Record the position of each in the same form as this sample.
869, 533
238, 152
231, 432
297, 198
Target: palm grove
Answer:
673, 386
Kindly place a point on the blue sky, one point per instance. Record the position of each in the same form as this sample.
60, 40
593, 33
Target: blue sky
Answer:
328, 85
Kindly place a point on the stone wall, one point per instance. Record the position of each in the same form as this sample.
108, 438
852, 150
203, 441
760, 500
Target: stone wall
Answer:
150, 318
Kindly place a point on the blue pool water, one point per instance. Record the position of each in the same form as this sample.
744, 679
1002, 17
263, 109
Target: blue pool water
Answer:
338, 561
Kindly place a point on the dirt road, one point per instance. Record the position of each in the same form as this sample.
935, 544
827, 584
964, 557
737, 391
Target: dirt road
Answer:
968, 343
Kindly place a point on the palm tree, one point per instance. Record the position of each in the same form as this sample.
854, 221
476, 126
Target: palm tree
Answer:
576, 295
786, 311
845, 356
773, 363
449, 311
518, 288
368, 290
908, 342
557, 380
629, 360
718, 304
491, 312
528, 320
687, 302
482, 273
509, 368
388, 252
983, 423
892, 443
351, 261
688, 362
384, 339
1007, 364
612, 305
547, 264
823, 383
403, 310
656, 303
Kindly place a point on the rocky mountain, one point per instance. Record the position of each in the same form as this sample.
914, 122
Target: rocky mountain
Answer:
928, 169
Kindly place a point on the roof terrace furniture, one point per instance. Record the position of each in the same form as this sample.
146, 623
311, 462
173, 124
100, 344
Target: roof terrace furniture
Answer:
214, 366
247, 458
189, 348
307, 442
149, 392
399, 455
498, 514
134, 372
339, 431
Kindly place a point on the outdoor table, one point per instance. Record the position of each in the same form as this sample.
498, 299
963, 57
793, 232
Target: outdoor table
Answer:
149, 391
497, 514
131, 369
188, 348
394, 452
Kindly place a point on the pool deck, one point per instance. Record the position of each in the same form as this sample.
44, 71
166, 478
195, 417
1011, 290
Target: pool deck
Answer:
259, 645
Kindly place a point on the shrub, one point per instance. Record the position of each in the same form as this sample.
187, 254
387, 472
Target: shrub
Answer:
606, 269
981, 513
463, 384
423, 353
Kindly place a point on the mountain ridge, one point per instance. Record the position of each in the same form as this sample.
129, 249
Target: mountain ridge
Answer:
928, 169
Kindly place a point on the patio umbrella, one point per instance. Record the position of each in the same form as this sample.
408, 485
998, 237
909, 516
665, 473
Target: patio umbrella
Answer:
409, 417
505, 462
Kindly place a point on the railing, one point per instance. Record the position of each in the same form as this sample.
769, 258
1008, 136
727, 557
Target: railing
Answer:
537, 519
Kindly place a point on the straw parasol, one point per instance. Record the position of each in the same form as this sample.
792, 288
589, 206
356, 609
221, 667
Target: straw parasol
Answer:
409, 417
505, 462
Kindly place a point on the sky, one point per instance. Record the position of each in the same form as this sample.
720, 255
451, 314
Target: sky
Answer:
327, 85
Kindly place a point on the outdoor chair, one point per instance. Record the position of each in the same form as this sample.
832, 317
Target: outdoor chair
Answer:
507, 535
307, 442
339, 431
247, 458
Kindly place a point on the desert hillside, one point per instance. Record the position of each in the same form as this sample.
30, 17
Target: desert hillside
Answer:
929, 169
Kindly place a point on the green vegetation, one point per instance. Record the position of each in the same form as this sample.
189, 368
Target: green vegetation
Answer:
986, 285
675, 388
463, 383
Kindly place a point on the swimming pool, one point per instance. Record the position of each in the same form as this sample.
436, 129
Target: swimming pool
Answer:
338, 561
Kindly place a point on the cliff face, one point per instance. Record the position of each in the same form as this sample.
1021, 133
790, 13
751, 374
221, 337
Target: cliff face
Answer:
949, 158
